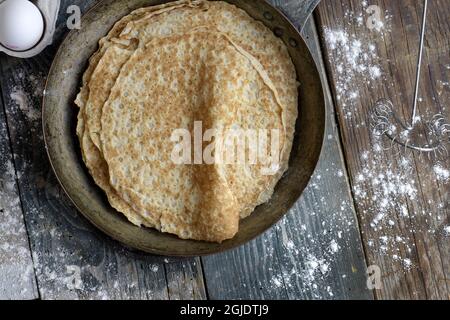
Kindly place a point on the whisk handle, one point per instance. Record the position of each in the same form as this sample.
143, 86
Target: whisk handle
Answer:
419, 63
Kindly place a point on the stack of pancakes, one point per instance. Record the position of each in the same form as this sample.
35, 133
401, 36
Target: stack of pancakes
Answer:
163, 68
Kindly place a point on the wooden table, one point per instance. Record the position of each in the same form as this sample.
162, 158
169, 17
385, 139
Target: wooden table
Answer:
365, 206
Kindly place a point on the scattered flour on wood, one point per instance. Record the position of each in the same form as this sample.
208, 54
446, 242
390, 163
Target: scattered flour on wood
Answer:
380, 186
355, 59
442, 174
447, 230
16, 268
154, 268
25, 98
21, 99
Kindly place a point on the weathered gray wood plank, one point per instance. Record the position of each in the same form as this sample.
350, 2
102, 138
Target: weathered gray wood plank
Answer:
17, 279
315, 252
72, 259
185, 280
401, 197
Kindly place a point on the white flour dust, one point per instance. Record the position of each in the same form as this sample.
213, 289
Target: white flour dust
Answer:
442, 174
382, 188
354, 61
20, 98
313, 247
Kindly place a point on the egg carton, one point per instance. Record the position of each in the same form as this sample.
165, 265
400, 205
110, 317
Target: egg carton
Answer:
49, 10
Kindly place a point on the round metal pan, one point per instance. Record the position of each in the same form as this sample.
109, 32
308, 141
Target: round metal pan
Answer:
59, 123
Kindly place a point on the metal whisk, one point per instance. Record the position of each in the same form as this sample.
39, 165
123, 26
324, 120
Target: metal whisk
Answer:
388, 123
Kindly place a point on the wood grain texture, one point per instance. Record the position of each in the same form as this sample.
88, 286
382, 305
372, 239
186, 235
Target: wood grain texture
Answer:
315, 251
72, 259
404, 232
17, 278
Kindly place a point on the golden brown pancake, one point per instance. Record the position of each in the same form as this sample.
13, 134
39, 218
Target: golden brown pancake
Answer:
148, 79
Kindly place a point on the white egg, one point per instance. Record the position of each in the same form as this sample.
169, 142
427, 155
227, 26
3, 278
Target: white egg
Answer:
21, 24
